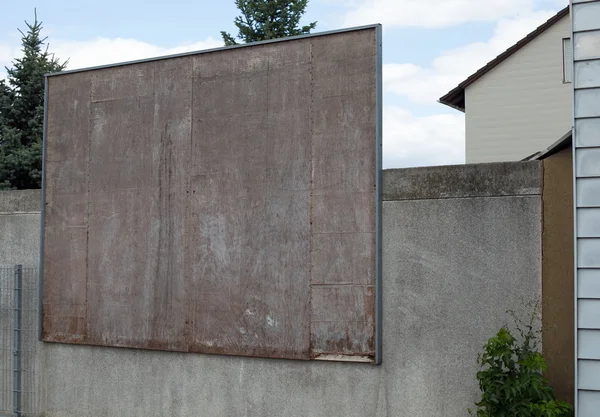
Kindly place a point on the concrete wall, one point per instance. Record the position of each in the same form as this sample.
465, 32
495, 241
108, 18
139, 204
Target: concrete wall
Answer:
20, 244
462, 245
557, 273
522, 105
20, 228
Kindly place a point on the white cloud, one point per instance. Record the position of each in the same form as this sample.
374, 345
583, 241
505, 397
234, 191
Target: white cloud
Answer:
7, 53
439, 139
410, 141
427, 84
102, 51
436, 13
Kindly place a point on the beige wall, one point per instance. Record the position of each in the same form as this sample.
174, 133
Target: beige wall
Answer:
557, 273
522, 105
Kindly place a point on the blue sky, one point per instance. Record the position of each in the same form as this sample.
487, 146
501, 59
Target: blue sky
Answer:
429, 46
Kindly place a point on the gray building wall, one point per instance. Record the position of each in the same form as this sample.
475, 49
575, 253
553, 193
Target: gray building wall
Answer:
461, 245
20, 228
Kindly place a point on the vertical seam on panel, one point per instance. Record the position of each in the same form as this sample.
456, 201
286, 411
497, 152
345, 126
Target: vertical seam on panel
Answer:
87, 206
310, 205
187, 214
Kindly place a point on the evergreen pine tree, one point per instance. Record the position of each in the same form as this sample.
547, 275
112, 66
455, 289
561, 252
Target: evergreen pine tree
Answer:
22, 112
268, 19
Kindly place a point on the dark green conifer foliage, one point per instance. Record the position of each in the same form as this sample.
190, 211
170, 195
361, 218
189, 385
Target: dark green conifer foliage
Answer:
268, 19
22, 112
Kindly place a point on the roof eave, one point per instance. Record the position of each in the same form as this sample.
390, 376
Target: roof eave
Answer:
455, 97
564, 142
455, 100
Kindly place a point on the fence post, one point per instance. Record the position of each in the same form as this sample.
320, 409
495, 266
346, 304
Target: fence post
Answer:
17, 340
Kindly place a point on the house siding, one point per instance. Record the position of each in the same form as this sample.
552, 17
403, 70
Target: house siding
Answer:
586, 160
522, 105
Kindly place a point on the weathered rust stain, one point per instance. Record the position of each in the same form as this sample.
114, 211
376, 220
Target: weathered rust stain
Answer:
220, 187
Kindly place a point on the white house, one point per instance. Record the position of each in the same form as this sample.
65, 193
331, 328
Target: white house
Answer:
520, 102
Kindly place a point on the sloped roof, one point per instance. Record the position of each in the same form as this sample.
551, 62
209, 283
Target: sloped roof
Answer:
564, 142
455, 98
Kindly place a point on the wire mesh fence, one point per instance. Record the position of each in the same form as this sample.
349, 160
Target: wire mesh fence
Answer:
19, 345
6, 339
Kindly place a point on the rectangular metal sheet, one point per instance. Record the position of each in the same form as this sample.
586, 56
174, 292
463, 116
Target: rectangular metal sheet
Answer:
587, 74
586, 46
588, 222
588, 133
587, 162
588, 312
588, 252
65, 230
589, 283
589, 375
586, 102
585, 16
588, 192
588, 344
220, 202
588, 403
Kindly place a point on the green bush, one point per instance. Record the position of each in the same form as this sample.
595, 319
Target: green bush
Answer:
511, 377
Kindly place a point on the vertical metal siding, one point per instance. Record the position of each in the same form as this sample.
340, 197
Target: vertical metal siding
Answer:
589, 283
589, 344
585, 15
588, 403
589, 222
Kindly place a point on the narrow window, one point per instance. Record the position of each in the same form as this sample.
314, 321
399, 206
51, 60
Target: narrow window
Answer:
567, 60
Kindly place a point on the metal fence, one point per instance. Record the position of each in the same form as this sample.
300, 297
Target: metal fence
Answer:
19, 345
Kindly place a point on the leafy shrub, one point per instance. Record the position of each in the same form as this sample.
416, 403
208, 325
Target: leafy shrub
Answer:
511, 377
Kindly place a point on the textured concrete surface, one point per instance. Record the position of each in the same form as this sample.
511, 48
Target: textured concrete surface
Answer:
20, 239
20, 244
456, 181
21, 201
200, 203
20, 228
452, 267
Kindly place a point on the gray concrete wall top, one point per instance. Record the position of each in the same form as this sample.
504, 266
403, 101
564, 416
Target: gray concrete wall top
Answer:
459, 181
20, 201
20, 228
452, 181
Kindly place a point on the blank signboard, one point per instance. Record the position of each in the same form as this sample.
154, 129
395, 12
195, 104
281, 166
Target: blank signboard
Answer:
223, 201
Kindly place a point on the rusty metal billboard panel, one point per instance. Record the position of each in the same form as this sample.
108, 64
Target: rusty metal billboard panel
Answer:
224, 201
